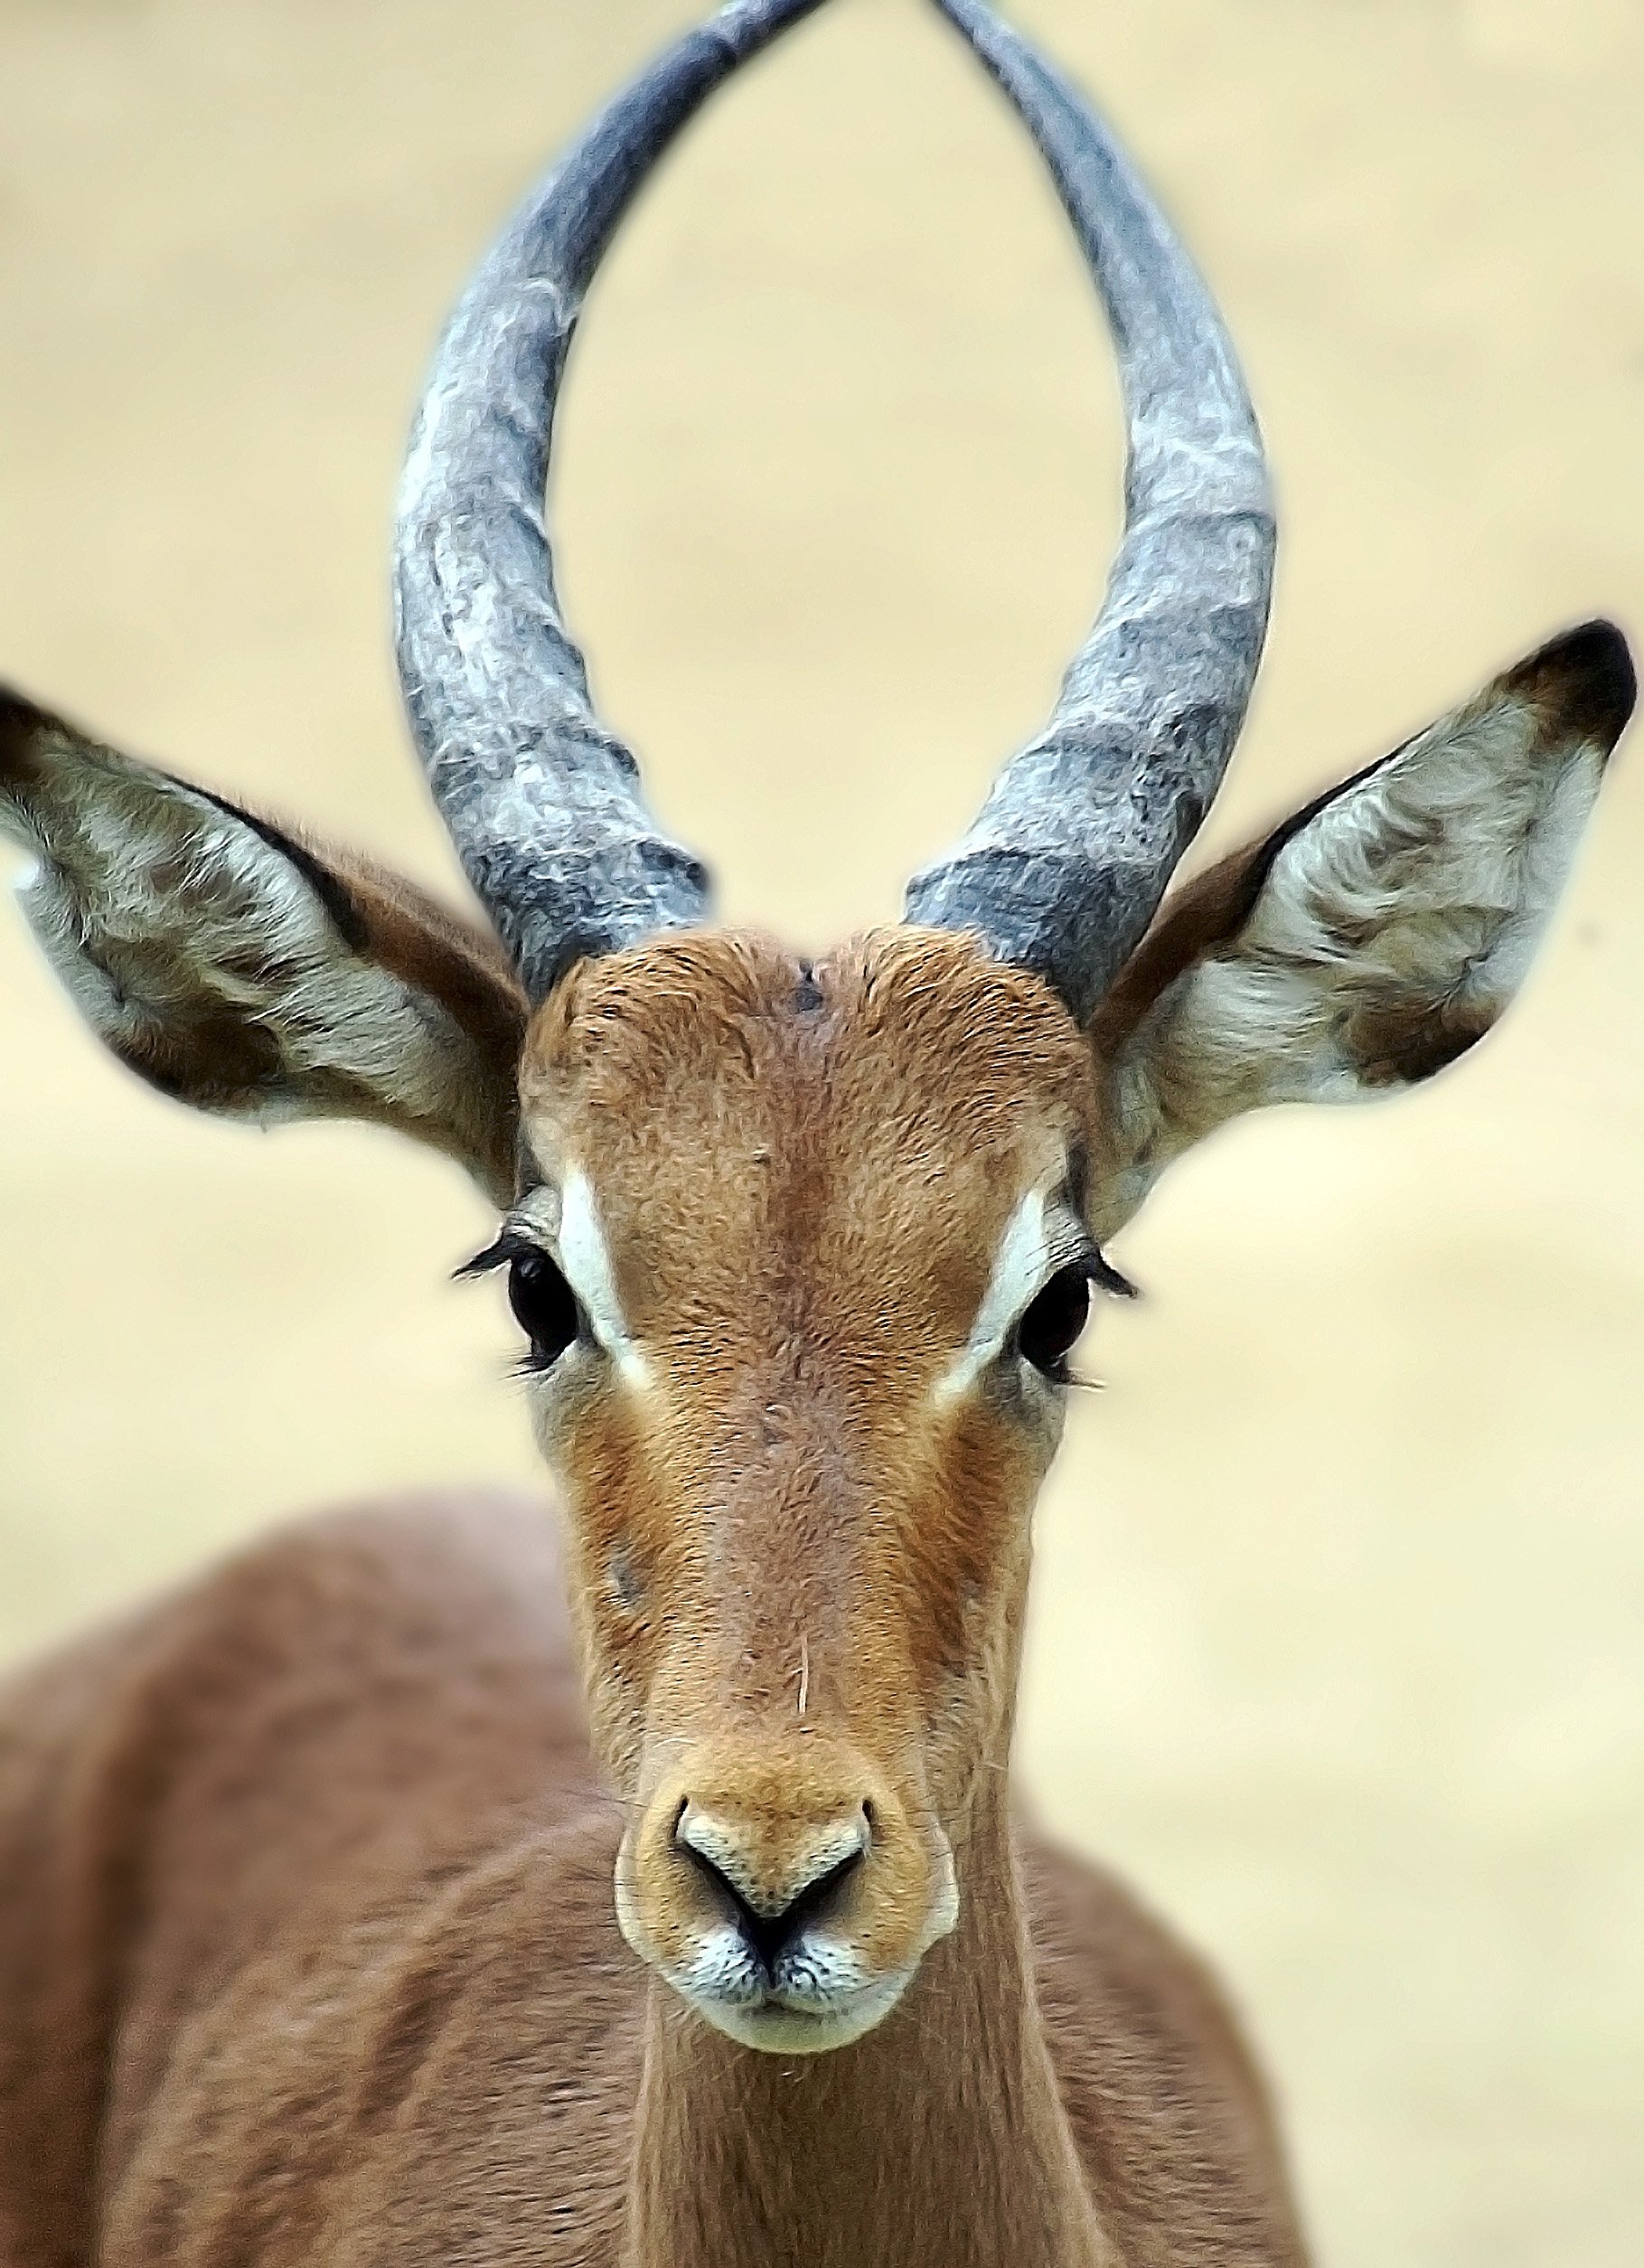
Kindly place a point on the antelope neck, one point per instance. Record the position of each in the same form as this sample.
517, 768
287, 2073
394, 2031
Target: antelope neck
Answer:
938, 2141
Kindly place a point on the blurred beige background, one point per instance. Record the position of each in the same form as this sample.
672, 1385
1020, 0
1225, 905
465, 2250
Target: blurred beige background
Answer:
1340, 1616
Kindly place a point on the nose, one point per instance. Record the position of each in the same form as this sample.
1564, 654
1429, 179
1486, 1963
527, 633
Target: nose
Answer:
773, 1899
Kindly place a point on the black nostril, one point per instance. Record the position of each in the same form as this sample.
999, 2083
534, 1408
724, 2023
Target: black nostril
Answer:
811, 1903
768, 1936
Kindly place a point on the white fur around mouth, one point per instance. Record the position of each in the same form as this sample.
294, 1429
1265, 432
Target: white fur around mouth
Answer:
780, 2025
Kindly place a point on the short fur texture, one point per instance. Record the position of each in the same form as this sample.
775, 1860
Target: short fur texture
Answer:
317, 1965
330, 1933
316, 1884
240, 970
1369, 941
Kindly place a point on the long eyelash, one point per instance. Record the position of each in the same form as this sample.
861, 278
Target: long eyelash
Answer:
1101, 1271
1107, 1278
1062, 1376
509, 1246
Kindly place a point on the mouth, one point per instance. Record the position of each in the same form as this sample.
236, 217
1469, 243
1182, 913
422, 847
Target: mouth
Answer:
825, 1969
787, 2019
814, 1997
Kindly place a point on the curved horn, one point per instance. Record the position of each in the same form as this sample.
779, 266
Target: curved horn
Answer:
1063, 870
540, 798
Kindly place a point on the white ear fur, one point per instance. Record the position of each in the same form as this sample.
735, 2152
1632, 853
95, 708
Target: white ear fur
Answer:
230, 965
1368, 942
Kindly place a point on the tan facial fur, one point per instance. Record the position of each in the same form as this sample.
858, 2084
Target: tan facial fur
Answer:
799, 1504
802, 1212
311, 1879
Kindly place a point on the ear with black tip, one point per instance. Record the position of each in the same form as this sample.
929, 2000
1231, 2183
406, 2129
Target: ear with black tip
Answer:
238, 969
1378, 932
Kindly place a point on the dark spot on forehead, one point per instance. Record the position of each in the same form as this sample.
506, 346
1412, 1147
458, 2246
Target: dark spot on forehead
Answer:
905, 1046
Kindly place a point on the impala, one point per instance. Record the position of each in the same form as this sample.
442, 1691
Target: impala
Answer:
355, 1904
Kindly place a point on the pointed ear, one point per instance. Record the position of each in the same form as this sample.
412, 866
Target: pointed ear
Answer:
240, 970
1374, 936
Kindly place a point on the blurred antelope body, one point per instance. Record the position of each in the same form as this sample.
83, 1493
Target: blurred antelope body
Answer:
359, 1906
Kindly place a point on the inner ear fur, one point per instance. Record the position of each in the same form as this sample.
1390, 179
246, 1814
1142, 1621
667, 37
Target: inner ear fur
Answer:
242, 970
1377, 934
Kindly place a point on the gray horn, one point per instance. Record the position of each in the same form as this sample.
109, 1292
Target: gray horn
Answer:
1063, 870
541, 799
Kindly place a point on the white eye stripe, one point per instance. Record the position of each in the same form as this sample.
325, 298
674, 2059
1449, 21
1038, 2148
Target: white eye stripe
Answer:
1037, 1236
587, 1265
1040, 1237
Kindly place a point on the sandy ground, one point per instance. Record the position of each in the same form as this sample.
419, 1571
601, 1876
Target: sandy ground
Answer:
1342, 1583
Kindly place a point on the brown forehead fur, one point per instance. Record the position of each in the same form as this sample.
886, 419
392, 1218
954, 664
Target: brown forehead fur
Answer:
716, 1082
735, 1008
802, 1175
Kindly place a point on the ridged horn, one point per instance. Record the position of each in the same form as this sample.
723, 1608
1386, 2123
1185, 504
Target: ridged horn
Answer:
1063, 868
541, 799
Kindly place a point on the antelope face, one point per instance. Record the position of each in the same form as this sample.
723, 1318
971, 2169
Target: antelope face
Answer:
800, 1270
800, 1252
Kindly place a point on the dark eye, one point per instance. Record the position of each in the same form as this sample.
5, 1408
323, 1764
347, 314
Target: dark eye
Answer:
544, 1306
1051, 1327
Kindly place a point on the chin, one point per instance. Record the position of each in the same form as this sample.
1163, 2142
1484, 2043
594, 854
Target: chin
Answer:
778, 2027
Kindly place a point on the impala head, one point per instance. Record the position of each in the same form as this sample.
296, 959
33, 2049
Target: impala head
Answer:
800, 1252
